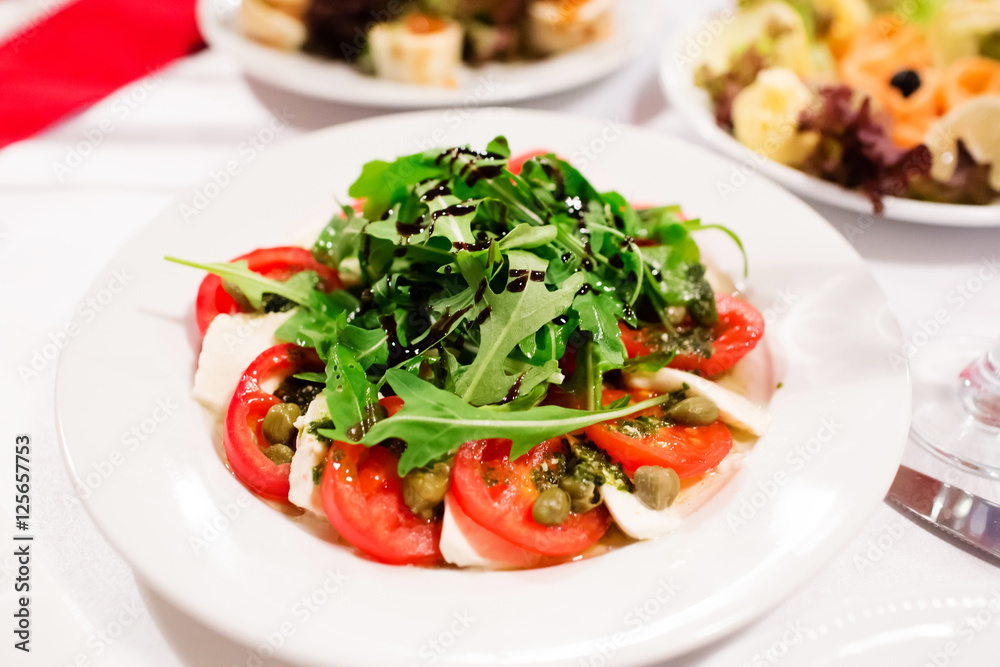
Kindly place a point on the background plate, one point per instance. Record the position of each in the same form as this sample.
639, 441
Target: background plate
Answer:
676, 75
494, 83
147, 463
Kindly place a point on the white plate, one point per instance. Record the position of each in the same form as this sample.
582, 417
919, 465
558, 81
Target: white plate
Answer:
495, 83
154, 481
677, 76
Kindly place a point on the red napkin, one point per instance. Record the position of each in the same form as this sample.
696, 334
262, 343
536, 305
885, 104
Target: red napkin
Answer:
83, 52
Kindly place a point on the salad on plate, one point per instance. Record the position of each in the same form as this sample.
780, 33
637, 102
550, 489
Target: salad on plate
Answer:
424, 42
483, 362
890, 98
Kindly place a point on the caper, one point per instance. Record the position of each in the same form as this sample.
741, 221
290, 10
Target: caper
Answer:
582, 494
279, 454
694, 411
551, 507
423, 490
279, 423
656, 487
676, 314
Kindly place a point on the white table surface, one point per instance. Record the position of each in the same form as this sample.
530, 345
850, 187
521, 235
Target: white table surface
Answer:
164, 136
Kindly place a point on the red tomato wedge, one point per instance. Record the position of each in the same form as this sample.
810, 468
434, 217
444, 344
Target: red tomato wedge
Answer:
689, 450
363, 498
498, 494
516, 163
242, 436
277, 263
738, 331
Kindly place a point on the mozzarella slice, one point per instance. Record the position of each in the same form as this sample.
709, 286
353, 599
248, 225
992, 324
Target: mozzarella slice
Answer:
734, 409
230, 344
467, 544
309, 453
635, 519
455, 546
555, 26
417, 50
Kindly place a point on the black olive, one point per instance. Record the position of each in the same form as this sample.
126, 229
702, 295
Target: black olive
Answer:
905, 81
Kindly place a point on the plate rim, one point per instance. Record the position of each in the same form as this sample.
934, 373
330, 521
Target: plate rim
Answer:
409, 97
680, 91
704, 635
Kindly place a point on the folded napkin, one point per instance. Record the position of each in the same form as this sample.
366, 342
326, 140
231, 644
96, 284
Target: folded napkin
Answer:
83, 52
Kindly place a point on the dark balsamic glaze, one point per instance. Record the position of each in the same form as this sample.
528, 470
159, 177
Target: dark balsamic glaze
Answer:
455, 210
440, 190
537, 276
514, 390
408, 228
518, 284
471, 247
484, 315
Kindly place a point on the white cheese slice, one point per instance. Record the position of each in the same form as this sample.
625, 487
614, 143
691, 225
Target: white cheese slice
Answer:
455, 546
309, 453
635, 519
230, 344
734, 409
429, 58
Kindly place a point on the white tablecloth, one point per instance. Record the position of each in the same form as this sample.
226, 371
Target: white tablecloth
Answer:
70, 196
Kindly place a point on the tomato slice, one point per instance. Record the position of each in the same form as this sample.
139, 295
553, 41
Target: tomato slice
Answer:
738, 331
242, 436
498, 494
363, 499
689, 450
277, 263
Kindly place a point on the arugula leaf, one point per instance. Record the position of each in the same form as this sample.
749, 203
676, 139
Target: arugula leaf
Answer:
341, 237
382, 184
298, 288
527, 236
434, 423
513, 316
350, 397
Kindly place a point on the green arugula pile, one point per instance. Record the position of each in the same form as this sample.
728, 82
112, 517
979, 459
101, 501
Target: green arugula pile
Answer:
473, 290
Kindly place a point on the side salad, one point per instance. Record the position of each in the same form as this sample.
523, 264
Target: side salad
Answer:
424, 42
484, 361
889, 97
